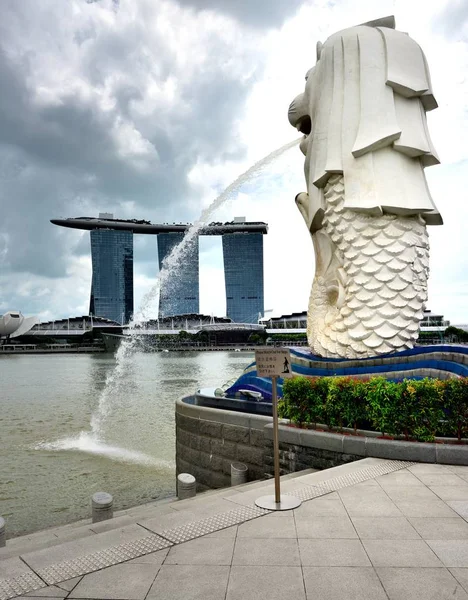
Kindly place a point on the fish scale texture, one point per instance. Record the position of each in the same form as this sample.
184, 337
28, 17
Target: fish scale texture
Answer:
370, 296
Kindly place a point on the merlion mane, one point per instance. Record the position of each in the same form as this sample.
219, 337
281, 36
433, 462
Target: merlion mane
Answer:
366, 144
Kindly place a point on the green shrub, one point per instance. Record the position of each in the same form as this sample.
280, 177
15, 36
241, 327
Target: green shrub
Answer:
304, 399
456, 407
413, 408
295, 404
420, 408
345, 403
356, 412
382, 397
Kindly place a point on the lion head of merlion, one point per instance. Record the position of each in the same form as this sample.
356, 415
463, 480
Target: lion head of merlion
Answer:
366, 144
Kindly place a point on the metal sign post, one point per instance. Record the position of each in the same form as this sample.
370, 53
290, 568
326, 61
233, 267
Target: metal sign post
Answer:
274, 363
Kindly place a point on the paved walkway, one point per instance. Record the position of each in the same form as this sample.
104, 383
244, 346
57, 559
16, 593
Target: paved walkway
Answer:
372, 529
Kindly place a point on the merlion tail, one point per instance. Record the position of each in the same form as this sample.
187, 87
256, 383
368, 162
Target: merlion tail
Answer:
370, 285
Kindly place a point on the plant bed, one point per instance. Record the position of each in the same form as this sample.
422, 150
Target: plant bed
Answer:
426, 410
362, 433
343, 446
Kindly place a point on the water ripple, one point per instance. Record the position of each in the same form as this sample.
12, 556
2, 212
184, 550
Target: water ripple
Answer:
86, 442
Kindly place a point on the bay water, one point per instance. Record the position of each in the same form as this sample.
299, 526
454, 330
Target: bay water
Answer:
51, 463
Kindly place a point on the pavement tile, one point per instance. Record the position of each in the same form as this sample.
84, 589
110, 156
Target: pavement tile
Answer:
202, 507
124, 581
384, 528
289, 487
32, 597
228, 532
68, 535
12, 567
394, 553
169, 520
332, 553
69, 584
70, 550
389, 513
403, 477
460, 507
110, 524
415, 492
453, 553
202, 551
364, 484
370, 506
440, 528
265, 583
343, 583
51, 591
428, 468
189, 582
268, 528
458, 469
441, 479
424, 508
248, 498
420, 584
155, 558
35, 541
461, 575
312, 526
323, 506
278, 514
358, 491
451, 492
277, 552
150, 510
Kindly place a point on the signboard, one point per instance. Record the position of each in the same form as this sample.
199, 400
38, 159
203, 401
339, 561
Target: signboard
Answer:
273, 362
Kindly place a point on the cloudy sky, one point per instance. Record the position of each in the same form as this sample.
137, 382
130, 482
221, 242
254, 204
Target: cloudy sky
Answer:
149, 108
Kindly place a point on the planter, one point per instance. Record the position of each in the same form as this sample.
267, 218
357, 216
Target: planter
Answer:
373, 444
373, 434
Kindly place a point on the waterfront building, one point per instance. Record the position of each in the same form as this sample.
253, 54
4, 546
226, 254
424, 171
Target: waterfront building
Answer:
295, 322
112, 279
188, 332
179, 295
243, 276
431, 327
14, 324
243, 265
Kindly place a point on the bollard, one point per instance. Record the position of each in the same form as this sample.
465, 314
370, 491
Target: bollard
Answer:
186, 486
238, 473
2, 533
102, 506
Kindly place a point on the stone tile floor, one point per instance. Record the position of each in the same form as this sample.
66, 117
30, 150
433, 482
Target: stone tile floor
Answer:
397, 536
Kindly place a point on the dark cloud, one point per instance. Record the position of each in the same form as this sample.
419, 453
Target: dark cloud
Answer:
104, 110
257, 13
82, 246
452, 20
29, 194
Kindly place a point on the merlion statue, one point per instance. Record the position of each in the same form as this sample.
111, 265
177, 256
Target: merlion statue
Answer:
366, 143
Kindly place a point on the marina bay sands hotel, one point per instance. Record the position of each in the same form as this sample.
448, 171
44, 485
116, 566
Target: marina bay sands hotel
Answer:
112, 260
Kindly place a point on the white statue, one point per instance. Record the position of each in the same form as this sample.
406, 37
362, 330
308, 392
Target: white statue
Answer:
366, 143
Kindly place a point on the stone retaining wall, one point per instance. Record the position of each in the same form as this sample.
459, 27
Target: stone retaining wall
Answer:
323, 448
209, 439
